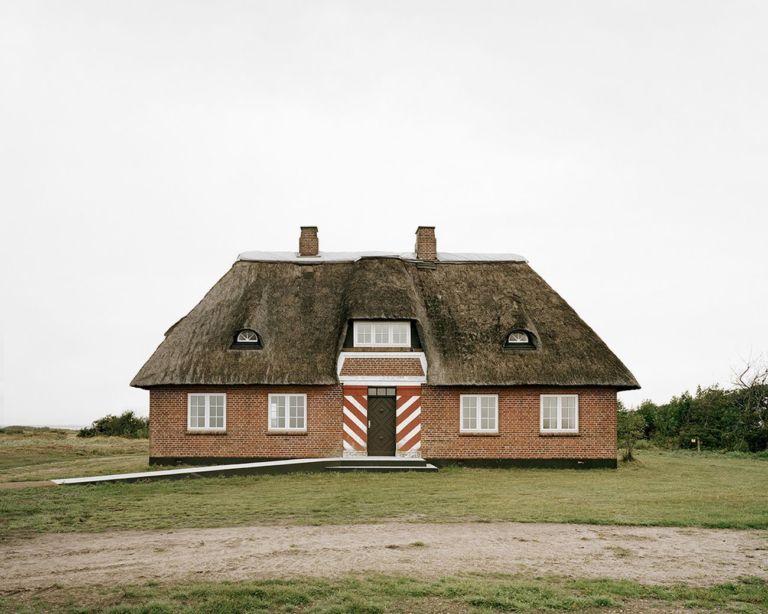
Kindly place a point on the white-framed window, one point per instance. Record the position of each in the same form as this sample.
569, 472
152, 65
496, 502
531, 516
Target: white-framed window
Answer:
518, 337
287, 412
382, 334
479, 413
247, 336
560, 413
206, 412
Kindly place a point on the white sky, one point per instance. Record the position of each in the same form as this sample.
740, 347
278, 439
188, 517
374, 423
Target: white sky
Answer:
621, 146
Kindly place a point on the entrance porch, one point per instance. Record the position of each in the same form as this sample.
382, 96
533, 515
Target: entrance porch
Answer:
382, 420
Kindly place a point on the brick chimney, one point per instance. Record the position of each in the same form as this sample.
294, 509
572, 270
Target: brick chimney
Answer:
309, 245
426, 243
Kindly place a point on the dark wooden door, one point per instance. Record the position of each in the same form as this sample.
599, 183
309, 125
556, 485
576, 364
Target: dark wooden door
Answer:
381, 431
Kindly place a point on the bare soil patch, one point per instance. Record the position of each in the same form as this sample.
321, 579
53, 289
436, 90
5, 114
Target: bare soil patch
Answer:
30, 484
644, 554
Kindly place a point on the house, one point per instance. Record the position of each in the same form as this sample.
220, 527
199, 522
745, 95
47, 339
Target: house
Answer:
468, 358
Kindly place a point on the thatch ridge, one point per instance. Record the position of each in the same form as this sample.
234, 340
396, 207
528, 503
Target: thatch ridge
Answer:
463, 312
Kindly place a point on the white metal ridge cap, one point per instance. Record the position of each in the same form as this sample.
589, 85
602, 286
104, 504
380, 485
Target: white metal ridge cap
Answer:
258, 256
479, 257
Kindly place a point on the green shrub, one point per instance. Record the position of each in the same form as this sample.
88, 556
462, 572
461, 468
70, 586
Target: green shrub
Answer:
127, 424
631, 428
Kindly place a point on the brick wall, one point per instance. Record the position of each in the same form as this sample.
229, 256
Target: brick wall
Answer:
247, 419
382, 366
519, 416
426, 243
518, 438
309, 244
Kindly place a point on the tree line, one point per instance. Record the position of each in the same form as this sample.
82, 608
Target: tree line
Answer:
713, 418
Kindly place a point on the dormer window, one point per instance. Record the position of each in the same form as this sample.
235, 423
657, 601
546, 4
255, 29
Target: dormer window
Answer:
247, 336
519, 340
247, 339
518, 337
382, 334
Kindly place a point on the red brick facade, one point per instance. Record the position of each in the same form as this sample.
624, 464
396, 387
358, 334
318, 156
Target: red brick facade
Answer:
519, 437
246, 434
382, 366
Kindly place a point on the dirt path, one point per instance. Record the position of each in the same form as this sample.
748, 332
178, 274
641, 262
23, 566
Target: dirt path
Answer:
651, 555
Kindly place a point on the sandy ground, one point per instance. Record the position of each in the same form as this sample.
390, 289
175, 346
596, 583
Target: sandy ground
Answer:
649, 555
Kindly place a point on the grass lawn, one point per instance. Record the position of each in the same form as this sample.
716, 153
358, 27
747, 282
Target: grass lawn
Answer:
375, 594
30, 454
663, 488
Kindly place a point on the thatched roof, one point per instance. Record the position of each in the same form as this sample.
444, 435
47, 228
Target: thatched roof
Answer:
463, 312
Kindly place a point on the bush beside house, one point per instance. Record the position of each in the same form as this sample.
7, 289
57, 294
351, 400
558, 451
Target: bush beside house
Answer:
127, 424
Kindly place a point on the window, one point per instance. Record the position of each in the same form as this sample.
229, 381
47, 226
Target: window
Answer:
479, 413
287, 412
381, 392
247, 339
207, 412
382, 334
517, 337
560, 413
519, 340
247, 336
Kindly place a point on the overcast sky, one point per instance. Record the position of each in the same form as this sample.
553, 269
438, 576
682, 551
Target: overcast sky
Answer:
622, 147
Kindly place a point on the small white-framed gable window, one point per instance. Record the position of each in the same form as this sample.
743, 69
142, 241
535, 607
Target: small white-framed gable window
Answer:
206, 412
382, 334
287, 412
479, 413
519, 340
518, 337
247, 336
246, 339
560, 413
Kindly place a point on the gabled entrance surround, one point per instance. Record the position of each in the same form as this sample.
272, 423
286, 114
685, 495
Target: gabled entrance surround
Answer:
407, 420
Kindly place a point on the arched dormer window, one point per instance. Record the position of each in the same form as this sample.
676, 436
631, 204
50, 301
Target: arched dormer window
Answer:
519, 339
247, 336
247, 339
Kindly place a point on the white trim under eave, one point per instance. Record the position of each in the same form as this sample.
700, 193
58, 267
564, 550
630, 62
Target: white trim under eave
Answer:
383, 380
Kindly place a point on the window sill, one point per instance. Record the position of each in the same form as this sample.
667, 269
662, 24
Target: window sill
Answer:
206, 432
559, 434
285, 432
479, 434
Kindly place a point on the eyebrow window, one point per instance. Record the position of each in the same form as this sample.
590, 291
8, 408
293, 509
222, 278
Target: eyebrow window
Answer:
247, 339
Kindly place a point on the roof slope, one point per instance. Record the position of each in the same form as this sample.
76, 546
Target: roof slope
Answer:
463, 310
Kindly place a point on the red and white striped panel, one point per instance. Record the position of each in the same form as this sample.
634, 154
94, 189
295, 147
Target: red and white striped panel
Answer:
355, 418
408, 420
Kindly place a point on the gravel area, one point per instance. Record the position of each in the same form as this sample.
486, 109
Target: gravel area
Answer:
644, 554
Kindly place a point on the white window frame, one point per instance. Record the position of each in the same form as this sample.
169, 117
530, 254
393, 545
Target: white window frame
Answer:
559, 398
390, 333
477, 428
247, 331
207, 396
283, 429
527, 338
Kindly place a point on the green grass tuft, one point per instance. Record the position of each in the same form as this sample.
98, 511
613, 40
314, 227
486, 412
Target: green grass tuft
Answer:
373, 594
